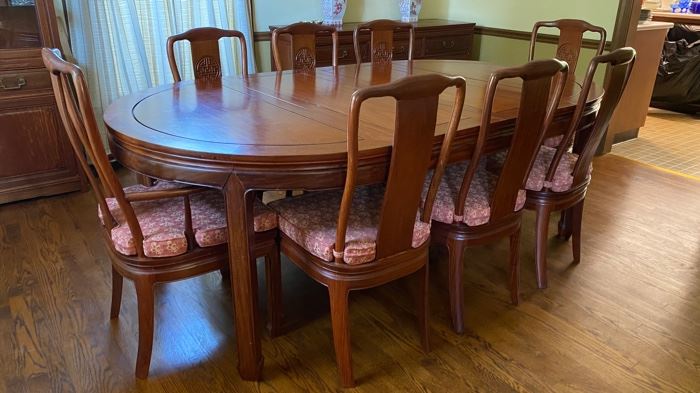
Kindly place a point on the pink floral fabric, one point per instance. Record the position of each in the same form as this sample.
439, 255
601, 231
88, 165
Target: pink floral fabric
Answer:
563, 178
311, 220
163, 222
209, 218
553, 141
477, 207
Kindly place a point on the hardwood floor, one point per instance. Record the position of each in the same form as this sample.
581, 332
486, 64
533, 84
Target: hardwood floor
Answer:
627, 319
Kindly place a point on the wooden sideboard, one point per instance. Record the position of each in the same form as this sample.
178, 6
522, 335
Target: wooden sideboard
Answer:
35, 156
434, 39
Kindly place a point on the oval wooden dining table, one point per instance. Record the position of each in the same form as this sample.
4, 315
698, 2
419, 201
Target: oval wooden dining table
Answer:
287, 130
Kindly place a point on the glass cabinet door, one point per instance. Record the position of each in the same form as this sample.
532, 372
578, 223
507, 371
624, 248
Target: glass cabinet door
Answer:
19, 27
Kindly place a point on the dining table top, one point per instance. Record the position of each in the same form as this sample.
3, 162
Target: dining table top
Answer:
292, 116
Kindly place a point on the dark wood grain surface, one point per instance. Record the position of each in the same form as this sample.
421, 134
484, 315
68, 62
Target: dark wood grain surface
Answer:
288, 131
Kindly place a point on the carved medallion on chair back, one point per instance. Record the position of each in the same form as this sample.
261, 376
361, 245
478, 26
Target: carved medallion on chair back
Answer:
382, 39
299, 43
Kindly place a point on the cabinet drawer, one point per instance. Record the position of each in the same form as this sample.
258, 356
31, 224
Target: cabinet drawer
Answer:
24, 81
451, 45
346, 55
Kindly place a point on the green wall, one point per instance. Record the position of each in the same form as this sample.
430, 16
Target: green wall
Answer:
522, 14
504, 14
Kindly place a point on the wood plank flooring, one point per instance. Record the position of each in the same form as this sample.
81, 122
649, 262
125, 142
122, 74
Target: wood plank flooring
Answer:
627, 319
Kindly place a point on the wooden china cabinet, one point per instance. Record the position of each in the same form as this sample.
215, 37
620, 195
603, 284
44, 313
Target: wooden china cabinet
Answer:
35, 156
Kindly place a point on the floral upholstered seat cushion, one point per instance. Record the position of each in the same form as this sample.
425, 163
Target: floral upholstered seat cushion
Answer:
163, 221
563, 178
209, 218
477, 207
311, 221
553, 141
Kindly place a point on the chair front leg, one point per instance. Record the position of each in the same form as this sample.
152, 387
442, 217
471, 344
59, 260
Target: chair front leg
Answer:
338, 293
145, 300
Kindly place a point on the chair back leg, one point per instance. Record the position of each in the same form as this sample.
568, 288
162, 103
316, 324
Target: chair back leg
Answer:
576, 220
117, 284
515, 267
541, 235
564, 228
273, 282
423, 307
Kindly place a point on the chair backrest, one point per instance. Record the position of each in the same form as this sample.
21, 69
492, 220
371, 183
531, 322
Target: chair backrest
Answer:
381, 48
303, 45
75, 109
570, 40
620, 63
204, 44
417, 100
542, 87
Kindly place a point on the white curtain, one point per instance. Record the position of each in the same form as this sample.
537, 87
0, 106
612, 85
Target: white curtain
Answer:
120, 44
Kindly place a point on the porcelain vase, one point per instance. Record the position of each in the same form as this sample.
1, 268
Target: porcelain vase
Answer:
410, 9
333, 11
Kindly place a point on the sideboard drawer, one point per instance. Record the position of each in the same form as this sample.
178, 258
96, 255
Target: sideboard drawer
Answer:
452, 45
346, 55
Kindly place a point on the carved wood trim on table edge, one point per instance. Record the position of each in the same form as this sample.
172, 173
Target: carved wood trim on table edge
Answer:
261, 36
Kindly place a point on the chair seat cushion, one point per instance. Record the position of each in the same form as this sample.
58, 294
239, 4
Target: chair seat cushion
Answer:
554, 141
477, 207
311, 221
163, 221
563, 178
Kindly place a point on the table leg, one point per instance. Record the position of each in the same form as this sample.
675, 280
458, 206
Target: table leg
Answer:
244, 280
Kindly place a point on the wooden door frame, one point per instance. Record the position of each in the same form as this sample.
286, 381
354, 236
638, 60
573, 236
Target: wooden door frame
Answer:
626, 22
625, 29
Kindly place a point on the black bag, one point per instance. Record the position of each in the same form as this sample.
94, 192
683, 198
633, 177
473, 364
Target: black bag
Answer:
677, 85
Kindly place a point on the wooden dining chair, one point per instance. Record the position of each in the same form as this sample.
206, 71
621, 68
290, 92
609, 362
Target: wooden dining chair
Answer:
475, 206
166, 232
366, 236
559, 179
570, 40
569, 46
381, 48
204, 45
302, 55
